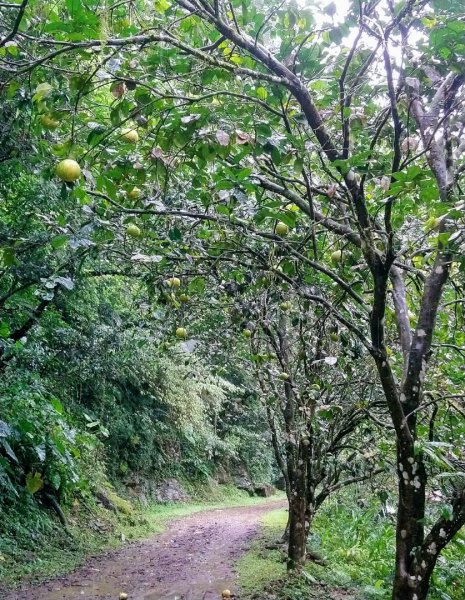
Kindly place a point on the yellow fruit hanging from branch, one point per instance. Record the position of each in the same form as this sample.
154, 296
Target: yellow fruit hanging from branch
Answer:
68, 170
130, 135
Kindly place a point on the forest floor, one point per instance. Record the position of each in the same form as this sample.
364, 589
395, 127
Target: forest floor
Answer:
193, 559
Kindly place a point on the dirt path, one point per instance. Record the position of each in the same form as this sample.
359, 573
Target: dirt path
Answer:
192, 560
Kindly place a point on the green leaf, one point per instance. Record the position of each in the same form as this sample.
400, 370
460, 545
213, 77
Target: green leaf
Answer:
175, 234
4, 330
261, 93
34, 482
57, 405
197, 285
161, 6
42, 91
9, 257
59, 241
55, 480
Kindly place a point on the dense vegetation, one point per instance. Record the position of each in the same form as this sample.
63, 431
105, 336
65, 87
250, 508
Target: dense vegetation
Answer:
232, 245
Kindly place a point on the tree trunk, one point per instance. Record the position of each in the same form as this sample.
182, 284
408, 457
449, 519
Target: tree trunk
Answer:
408, 588
297, 532
309, 513
410, 524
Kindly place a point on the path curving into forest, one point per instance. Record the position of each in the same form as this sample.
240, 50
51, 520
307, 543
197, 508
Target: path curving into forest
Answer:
193, 560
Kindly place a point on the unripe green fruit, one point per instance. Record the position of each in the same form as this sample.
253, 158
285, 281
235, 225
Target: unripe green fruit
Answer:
334, 337
336, 256
246, 333
184, 298
181, 333
68, 170
285, 306
133, 231
49, 122
281, 229
134, 193
283, 376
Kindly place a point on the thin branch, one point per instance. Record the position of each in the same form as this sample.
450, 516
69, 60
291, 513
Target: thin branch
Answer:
17, 23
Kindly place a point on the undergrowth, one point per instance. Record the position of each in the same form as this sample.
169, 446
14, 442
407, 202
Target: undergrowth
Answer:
358, 547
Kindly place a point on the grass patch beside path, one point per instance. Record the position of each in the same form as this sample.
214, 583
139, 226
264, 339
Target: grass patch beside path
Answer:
263, 572
261, 567
357, 544
35, 547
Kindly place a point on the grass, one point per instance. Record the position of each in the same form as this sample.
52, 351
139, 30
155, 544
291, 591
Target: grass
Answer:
358, 546
34, 546
260, 566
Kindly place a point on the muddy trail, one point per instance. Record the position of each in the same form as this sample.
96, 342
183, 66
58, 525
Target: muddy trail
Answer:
192, 560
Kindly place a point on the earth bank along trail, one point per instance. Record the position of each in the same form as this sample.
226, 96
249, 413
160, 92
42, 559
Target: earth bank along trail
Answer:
192, 560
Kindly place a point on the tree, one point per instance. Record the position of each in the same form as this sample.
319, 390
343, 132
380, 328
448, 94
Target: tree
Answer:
246, 110
319, 420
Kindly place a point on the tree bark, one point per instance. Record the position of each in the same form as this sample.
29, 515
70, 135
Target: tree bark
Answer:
297, 531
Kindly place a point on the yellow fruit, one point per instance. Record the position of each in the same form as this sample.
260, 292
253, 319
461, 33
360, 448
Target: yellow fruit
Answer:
133, 230
173, 282
181, 333
226, 594
130, 135
246, 333
68, 170
283, 376
123, 596
134, 193
292, 207
281, 229
336, 256
48, 122
432, 223
184, 298
124, 22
